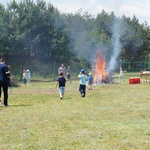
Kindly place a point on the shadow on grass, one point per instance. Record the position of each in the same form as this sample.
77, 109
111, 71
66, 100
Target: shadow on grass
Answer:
21, 105
68, 98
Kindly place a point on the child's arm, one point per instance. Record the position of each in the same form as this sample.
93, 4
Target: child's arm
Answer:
8, 72
79, 75
57, 84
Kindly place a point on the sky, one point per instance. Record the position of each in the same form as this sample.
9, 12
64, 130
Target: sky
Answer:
129, 8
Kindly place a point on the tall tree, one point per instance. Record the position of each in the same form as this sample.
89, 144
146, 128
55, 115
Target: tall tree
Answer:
3, 32
134, 40
37, 29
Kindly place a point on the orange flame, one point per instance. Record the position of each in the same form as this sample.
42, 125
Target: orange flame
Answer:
100, 72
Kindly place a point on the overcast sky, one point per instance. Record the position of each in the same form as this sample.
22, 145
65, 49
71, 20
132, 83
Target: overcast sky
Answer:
139, 8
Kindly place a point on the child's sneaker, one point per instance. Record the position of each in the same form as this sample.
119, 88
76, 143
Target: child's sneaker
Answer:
82, 95
1, 104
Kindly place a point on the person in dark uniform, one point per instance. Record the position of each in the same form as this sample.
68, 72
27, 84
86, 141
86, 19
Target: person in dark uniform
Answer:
4, 81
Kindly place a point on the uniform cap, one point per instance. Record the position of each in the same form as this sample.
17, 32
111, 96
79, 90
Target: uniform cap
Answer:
82, 70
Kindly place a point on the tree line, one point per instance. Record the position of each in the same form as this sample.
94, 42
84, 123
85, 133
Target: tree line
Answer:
37, 30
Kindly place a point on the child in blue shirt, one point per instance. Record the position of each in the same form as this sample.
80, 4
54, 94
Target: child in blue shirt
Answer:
28, 76
82, 86
90, 81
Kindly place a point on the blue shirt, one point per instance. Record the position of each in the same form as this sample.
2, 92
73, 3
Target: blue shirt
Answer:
3, 76
28, 75
90, 80
83, 79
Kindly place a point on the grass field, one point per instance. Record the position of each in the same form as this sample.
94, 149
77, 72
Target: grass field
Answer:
110, 117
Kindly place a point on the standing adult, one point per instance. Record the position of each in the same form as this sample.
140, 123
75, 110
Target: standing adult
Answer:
4, 80
62, 69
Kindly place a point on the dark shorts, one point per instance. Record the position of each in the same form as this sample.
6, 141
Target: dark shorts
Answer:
68, 76
24, 81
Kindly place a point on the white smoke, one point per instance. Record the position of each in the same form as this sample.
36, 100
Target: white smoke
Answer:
116, 34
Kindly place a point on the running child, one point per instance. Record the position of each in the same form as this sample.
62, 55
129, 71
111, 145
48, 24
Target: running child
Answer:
61, 81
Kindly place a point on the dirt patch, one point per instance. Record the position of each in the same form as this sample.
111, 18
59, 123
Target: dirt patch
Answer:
51, 91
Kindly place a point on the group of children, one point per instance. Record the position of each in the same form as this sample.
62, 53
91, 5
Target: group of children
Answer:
26, 77
61, 81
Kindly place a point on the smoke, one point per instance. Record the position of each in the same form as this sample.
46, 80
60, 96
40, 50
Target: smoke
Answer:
116, 34
86, 42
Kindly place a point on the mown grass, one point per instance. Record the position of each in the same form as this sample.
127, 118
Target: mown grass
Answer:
110, 117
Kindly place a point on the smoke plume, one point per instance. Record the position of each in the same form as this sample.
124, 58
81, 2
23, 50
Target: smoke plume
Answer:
116, 34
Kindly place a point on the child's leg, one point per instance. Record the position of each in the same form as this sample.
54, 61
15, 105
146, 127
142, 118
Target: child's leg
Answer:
89, 87
10, 86
61, 95
80, 89
1, 103
60, 92
63, 92
84, 90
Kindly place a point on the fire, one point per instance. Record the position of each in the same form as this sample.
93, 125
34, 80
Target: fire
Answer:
100, 72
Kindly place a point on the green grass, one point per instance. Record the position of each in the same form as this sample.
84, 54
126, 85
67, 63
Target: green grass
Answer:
111, 117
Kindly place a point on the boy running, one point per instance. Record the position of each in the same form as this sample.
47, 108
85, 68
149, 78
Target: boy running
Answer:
61, 81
